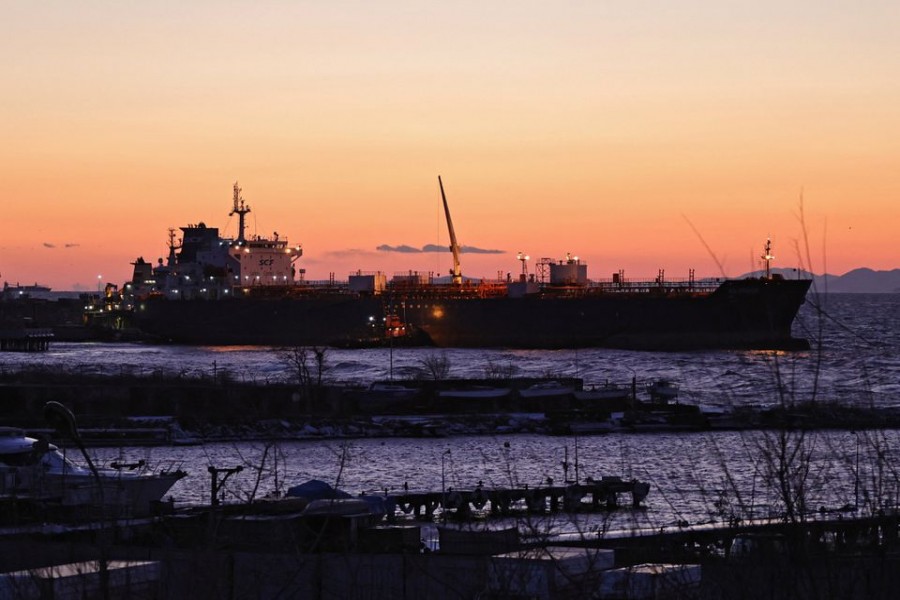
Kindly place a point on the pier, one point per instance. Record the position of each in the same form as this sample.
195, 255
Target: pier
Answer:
25, 340
590, 495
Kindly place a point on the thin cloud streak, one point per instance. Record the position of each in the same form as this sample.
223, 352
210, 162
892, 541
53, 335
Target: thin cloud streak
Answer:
349, 253
404, 249
431, 248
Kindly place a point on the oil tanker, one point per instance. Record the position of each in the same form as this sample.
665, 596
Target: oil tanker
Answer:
214, 290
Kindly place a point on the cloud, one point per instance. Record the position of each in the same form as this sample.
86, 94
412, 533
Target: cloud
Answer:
475, 250
66, 245
435, 248
463, 249
403, 249
349, 253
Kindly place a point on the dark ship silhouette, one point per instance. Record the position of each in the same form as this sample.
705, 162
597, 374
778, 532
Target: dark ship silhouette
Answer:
246, 291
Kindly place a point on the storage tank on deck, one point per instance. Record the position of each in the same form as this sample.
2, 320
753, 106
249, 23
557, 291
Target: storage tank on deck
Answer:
570, 271
409, 279
368, 283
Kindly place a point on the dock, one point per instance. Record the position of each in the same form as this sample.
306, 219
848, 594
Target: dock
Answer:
590, 495
25, 340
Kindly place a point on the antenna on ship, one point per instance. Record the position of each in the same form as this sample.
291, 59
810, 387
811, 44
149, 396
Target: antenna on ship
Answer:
454, 247
172, 247
523, 258
768, 258
240, 210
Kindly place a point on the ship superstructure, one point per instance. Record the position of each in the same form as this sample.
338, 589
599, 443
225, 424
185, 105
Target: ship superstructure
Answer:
205, 265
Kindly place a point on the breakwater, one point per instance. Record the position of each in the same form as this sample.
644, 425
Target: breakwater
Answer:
220, 400
216, 408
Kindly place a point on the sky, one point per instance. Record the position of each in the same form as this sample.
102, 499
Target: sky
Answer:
638, 136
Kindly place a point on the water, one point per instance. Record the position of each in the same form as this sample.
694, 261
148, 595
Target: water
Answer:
696, 477
859, 361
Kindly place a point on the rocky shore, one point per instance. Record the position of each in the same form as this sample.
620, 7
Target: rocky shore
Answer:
123, 410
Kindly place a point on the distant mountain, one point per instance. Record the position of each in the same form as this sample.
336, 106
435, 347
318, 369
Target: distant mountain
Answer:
857, 281
863, 281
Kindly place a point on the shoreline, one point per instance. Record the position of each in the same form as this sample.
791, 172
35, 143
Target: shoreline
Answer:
159, 410
405, 427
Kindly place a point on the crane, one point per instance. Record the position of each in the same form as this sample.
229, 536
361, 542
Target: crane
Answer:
454, 247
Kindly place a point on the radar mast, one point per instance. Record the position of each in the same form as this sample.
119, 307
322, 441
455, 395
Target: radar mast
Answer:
768, 258
172, 247
240, 210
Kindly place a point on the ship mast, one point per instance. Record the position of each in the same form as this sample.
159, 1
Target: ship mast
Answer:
768, 258
172, 247
454, 247
240, 210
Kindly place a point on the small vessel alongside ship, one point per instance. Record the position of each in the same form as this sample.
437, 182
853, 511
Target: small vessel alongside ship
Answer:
214, 290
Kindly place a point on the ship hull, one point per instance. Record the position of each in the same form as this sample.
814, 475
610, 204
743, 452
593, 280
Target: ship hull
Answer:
750, 313
325, 321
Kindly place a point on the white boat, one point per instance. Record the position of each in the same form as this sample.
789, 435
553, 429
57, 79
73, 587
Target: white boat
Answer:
662, 390
37, 471
608, 391
546, 389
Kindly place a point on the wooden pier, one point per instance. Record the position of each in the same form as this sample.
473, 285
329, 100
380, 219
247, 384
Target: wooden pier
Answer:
25, 340
572, 497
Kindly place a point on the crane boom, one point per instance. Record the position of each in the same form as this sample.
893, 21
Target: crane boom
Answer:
454, 247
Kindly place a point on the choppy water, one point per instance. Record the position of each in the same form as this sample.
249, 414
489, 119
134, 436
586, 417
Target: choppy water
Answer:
696, 477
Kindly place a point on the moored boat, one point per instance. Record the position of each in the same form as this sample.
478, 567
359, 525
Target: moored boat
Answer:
37, 472
662, 390
607, 391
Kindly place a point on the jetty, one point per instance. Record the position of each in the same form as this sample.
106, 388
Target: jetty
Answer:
590, 495
25, 340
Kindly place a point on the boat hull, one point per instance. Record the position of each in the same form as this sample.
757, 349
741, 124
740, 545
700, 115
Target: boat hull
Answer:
118, 494
753, 314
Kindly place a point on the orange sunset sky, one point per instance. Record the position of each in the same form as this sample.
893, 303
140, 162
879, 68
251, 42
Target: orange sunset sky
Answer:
633, 134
